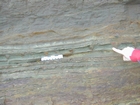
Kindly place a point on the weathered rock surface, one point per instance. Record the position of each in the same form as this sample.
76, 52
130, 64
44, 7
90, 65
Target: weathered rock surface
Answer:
84, 31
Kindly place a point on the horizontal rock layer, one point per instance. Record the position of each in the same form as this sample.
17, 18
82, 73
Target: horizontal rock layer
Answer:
84, 31
87, 57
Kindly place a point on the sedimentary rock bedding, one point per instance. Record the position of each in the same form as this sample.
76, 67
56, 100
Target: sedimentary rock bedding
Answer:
84, 32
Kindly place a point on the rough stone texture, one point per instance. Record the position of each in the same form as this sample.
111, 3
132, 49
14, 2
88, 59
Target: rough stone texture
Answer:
84, 31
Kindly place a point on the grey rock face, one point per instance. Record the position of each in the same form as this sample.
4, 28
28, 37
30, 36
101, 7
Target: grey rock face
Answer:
84, 31
130, 1
21, 16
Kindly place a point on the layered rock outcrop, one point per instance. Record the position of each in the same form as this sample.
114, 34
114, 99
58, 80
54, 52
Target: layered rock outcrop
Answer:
84, 31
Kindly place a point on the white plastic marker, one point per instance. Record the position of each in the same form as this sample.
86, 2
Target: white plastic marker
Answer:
53, 57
